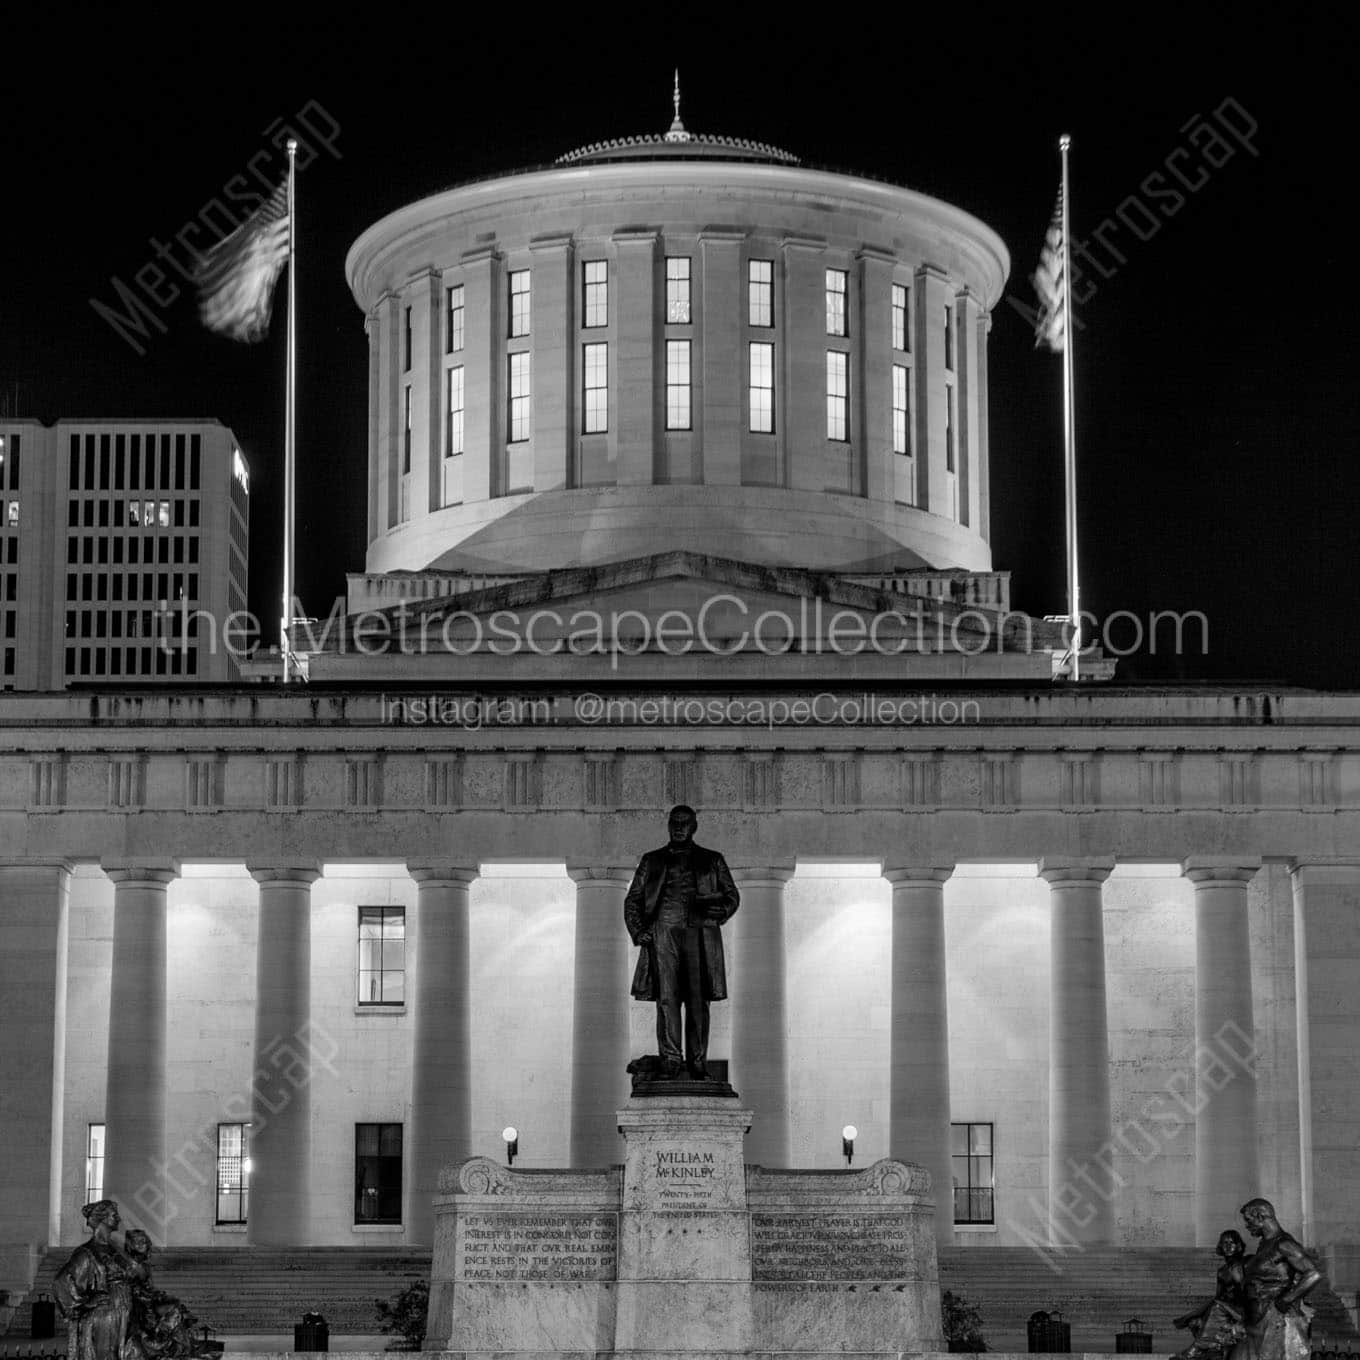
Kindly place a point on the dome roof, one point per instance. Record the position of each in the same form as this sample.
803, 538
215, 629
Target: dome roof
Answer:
677, 143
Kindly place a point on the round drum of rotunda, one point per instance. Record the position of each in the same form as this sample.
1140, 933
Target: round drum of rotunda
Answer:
677, 343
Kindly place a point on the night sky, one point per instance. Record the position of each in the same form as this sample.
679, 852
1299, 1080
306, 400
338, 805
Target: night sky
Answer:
1216, 364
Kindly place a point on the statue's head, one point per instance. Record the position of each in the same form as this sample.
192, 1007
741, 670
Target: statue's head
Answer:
1259, 1216
101, 1213
1231, 1245
137, 1244
681, 824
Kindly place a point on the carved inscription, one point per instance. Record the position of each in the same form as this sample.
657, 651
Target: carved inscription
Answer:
536, 1247
683, 1176
830, 1247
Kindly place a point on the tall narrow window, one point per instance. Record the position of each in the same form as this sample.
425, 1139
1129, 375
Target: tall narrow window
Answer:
949, 338
837, 285
94, 1155
453, 418
453, 319
233, 1172
901, 434
677, 384
382, 956
377, 1173
406, 430
519, 302
950, 461
595, 284
762, 388
519, 398
677, 290
595, 393
899, 317
760, 292
972, 1172
837, 394
406, 340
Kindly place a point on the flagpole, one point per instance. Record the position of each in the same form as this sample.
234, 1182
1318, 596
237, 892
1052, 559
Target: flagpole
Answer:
290, 418
1069, 419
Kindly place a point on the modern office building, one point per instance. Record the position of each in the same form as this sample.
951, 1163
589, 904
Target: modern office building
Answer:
678, 492
123, 543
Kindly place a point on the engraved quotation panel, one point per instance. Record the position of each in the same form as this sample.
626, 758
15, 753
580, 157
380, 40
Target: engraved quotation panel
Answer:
536, 1247
831, 1247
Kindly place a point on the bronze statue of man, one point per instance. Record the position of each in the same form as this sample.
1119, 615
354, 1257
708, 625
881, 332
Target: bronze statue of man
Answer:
1276, 1280
676, 904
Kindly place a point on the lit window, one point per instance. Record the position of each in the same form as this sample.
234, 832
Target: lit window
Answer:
899, 317
595, 377
760, 293
901, 436
406, 340
519, 397
837, 394
163, 514
595, 275
233, 1172
762, 388
836, 285
519, 302
382, 956
972, 1168
94, 1137
453, 325
406, 430
149, 514
949, 337
377, 1173
12, 514
678, 382
677, 290
453, 426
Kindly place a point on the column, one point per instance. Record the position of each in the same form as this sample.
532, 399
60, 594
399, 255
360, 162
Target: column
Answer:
1327, 950
280, 1134
441, 1047
919, 1054
599, 1027
760, 1069
1226, 1173
1080, 1175
134, 1105
33, 932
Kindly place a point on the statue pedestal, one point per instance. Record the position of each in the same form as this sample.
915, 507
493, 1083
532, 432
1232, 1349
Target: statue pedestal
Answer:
684, 1251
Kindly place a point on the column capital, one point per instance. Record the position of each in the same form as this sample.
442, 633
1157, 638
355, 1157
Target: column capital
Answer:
448, 872
302, 873
1324, 869
601, 873
1224, 869
37, 862
148, 871
1058, 872
898, 874
753, 875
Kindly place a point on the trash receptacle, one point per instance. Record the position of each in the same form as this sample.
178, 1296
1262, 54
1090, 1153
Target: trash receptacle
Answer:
1048, 1334
44, 1318
312, 1333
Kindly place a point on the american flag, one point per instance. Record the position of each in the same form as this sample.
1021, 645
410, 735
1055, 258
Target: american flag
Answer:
236, 277
1050, 282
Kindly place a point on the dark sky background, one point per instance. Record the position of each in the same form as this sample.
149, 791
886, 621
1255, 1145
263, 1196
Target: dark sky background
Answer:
1216, 382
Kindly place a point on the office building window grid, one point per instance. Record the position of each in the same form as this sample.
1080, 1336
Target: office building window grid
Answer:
678, 389
519, 303
595, 393
761, 387
837, 287
677, 290
595, 284
837, 395
760, 292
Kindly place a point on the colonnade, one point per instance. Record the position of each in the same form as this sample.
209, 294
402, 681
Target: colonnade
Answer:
1080, 1131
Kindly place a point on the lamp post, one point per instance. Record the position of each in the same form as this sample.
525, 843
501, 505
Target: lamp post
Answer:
511, 1135
848, 1135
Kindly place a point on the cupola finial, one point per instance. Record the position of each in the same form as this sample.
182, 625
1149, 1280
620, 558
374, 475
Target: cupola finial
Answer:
677, 131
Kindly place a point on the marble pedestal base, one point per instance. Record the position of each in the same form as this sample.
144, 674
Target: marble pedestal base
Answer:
684, 1251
